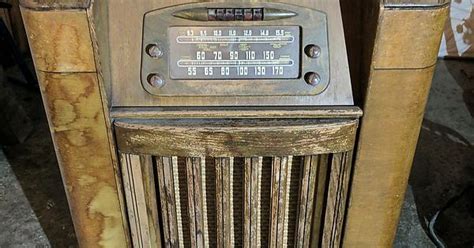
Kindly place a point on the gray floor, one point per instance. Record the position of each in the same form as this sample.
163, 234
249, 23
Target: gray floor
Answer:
20, 226
33, 209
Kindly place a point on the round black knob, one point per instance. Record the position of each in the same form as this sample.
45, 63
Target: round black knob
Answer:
312, 51
154, 51
312, 78
156, 80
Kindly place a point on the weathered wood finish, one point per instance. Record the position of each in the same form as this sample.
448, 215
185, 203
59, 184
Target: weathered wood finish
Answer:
55, 4
223, 202
78, 128
279, 197
319, 174
253, 168
336, 199
309, 212
126, 90
429, 3
168, 200
195, 201
235, 138
61, 46
397, 46
134, 182
306, 112
60, 40
399, 78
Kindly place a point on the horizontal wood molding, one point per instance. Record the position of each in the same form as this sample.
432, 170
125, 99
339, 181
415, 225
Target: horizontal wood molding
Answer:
415, 3
55, 4
78, 128
239, 112
243, 137
60, 41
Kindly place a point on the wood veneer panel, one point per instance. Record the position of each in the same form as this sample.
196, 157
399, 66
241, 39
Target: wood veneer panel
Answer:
417, 2
55, 4
60, 40
124, 41
411, 45
310, 112
218, 138
386, 149
78, 128
399, 79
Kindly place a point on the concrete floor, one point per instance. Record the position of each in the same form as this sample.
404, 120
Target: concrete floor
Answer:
33, 207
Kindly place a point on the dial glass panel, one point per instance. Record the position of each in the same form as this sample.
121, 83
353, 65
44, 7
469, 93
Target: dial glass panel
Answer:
257, 52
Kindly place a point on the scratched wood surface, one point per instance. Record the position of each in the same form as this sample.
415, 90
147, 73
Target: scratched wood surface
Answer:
395, 95
279, 201
123, 43
235, 137
223, 202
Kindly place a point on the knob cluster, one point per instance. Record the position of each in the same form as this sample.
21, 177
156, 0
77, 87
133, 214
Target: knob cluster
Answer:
155, 51
313, 52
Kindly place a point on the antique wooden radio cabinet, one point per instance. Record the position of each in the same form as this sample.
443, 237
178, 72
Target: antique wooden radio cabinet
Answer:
234, 123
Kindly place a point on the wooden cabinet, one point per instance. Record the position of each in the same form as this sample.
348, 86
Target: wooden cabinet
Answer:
282, 165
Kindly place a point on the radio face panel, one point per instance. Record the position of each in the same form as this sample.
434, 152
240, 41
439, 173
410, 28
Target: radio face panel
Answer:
260, 52
224, 49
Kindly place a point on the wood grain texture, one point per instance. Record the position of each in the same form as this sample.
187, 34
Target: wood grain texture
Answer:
310, 178
411, 45
310, 112
253, 168
416, 2
319, 201
235, 137
393, 110
124, 44
278, 201
138, 199
168, 203
195, 201
60, 41
76, 118
223, 202
386, 149
337, 192
151, 204
55, 4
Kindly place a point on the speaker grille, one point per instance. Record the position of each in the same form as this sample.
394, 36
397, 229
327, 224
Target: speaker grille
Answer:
236, 202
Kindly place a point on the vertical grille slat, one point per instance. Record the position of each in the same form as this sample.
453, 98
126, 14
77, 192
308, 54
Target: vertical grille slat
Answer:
281, 201
253, 168
195, 201
312, 168
224, 201
167, 193
295, 167
335, 205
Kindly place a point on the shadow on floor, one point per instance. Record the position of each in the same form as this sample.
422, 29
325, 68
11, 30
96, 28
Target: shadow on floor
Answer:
442, 176
35, 166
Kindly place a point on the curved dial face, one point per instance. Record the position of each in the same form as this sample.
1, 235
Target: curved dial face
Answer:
226, 52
